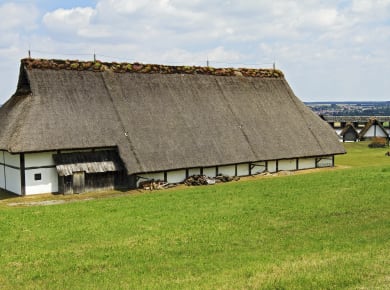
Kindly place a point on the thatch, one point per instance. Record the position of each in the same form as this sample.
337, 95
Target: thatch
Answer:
161, 121
349, 133
90, 162
349, 128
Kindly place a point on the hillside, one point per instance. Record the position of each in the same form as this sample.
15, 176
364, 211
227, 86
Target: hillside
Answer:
325, 230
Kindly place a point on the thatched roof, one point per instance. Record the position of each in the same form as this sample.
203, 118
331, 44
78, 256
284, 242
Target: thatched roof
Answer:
349, 127
162, 121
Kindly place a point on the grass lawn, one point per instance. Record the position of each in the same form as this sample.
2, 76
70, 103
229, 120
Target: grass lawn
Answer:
324, 230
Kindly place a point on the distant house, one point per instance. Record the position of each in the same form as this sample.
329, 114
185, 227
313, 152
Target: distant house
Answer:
76, 126
349, 133
373, 129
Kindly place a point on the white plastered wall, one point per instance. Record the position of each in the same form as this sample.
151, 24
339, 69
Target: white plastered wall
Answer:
40, 163
325, 162
290, 164
193, 171
227, 170
13, 184
209, 171
242, 169
10, 172
272, 166
258, 167
375, 131
306, 163
176, 176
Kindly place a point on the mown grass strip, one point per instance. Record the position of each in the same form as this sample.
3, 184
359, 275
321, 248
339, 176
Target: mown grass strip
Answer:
325, 230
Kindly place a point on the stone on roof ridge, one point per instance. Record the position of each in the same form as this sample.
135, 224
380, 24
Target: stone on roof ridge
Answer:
99, 66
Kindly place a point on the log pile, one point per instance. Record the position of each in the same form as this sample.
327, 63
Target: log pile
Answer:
152, 184
196, 180
98, 66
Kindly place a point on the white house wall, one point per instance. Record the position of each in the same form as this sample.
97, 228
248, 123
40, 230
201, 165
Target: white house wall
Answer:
375, 131
227, 170
11, 159
12, 176
290, 164
41, 174
258, 167
10, 172
210, 171
193, 171
242, 169
306, 163
271, 166
39, 159
2, 176
325, 162
47, 184
40, 163
176, 176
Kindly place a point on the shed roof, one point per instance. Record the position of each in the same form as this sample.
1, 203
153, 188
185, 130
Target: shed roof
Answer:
90, 162
161, 120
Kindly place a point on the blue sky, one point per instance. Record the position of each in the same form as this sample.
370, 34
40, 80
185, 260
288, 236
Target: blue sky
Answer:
328, 50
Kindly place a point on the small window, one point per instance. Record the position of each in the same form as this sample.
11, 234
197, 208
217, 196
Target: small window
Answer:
37, 176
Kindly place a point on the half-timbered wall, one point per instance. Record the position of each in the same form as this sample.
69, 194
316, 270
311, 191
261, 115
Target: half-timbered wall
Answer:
10, 172
374, 131
40, 173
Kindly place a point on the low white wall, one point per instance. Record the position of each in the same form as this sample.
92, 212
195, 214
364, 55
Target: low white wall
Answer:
193, 171
227, 170
176, 176
375, 131
46, 168
209, 171
290, 164
39, 159
11, 159
13, 180
242, 169
271, 166
47, 184
325, 162
258, 167
2, 177
306, 163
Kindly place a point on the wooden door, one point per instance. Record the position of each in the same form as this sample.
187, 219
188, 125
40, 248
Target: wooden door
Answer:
78, 182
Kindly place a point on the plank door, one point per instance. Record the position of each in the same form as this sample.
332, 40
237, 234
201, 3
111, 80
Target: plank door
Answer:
78, 182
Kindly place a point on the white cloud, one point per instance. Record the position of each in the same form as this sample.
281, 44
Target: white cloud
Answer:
326, 38
17, 17
69, 20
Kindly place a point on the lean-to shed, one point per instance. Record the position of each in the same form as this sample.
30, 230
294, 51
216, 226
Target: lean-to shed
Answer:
349, 133
165, 122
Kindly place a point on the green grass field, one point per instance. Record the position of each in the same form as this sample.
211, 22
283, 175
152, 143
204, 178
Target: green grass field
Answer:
327, 229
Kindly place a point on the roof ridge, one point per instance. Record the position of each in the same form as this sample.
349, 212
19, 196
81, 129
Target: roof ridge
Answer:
136, 67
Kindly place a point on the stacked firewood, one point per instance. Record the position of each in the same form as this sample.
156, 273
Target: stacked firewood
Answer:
195, 180
152, 184
198, 180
